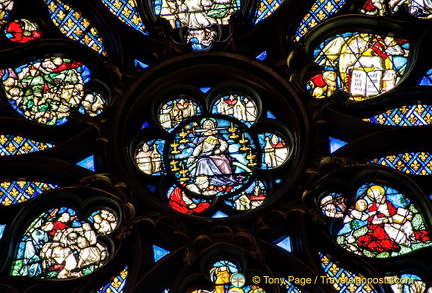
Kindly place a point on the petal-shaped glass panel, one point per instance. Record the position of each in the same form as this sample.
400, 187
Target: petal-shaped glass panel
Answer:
174, 111
92, 105
14, 192
212, 156
181, 202
5, 7
275, 150
407, 115
12, 145
58, 245
198, 17
342, 279
104, 222
426, 79
416, 163
22, 31
241, 107
127, 12
148, 157
75, 26
320, 11
382, 223
376, 7
266, 8
251, 198
362, 64
333, 205
45, 90
2, 229
418, 8
117, 285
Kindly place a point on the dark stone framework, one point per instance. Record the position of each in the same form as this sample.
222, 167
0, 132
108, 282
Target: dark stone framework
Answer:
247, 239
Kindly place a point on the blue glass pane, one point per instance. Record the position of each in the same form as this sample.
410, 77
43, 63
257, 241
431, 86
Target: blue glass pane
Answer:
320, 11
338, 274
11, 145
270, 115
219, 215
117, 285
152, 188
87, 163
262, 56
427, 79
205, 89
14, 192
336, 144
285, 243
266, 8
418, 163
2, 229
127, 12
73, 25
140, 65
408, 115
159, 252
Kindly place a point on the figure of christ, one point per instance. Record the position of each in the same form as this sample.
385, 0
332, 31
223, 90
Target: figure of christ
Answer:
211, 158
390, 227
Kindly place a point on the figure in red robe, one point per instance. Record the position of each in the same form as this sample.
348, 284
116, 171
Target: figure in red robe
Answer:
389, 227
180, 202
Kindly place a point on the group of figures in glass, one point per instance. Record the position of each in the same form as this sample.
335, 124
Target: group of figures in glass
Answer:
58, 245
381, 223
46, 90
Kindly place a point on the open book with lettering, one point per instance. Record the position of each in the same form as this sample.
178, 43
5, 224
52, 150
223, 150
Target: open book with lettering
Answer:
366, 83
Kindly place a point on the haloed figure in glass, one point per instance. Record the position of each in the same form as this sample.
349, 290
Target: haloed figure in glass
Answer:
211, 158
389, 226
382, 221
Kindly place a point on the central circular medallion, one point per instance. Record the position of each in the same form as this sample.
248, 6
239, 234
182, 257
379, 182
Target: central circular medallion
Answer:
212, 156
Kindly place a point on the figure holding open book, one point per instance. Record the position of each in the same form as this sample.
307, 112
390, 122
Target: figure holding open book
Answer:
389, 227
